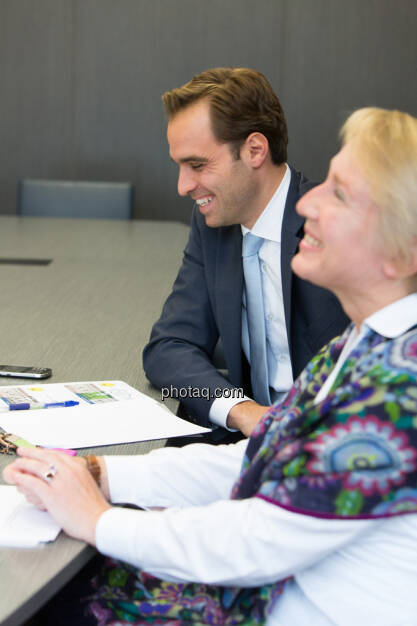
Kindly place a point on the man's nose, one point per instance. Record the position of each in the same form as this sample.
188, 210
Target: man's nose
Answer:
186, 182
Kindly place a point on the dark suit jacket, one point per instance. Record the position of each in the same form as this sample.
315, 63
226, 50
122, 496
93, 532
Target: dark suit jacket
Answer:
206, 303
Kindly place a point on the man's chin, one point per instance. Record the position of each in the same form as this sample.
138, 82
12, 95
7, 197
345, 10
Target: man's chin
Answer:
212, 221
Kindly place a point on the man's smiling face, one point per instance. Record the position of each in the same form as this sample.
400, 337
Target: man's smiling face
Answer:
223, 186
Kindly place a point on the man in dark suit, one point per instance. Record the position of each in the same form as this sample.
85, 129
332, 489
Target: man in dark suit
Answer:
228, 135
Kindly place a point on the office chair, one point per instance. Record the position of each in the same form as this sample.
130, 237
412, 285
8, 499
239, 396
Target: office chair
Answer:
59, 198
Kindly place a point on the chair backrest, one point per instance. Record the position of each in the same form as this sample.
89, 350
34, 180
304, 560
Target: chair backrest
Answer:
59, 198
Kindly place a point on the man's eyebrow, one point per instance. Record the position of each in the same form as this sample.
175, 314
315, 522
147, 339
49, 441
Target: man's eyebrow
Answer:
191, 159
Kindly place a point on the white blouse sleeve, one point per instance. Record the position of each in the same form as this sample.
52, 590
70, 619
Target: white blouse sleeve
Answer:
196, 474
229, 542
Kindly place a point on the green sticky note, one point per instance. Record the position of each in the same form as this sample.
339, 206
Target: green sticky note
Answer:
20, 442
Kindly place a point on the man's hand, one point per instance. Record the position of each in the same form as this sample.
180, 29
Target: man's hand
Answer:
245, 415
70, 495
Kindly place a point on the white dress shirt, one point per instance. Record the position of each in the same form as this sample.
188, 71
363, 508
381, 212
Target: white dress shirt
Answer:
346, 572
268, 226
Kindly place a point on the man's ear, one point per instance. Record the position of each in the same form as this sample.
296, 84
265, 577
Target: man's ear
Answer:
255, 149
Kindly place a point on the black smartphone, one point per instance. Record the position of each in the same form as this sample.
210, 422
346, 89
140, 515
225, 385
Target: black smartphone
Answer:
23, 371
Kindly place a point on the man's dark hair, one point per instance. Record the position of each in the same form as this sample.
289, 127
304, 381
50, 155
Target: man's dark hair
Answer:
241, 102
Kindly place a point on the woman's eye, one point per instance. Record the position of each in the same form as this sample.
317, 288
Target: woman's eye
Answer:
339, 195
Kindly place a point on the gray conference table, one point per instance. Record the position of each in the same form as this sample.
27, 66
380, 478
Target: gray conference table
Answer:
87, 315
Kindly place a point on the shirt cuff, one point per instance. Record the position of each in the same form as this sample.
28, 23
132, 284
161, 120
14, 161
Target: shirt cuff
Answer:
220, 408
123, 490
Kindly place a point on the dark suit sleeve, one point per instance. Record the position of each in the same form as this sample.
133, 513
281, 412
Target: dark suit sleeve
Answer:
182, 341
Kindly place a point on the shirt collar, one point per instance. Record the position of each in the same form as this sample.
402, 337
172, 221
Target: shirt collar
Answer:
269, 223
396, 318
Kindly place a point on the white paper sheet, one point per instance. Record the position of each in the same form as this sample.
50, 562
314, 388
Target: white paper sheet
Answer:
139, 418
21, 524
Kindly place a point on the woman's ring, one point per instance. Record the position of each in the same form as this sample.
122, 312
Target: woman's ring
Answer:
50, 473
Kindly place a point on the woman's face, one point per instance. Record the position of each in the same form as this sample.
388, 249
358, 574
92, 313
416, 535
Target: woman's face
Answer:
341, 249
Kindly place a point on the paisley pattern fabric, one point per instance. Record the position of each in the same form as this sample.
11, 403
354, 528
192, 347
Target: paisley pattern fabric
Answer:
125, 595
354, 455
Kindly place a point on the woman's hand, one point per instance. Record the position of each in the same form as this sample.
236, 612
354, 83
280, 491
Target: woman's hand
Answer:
61, 485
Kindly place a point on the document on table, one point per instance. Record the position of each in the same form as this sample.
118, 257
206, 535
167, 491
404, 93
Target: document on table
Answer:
21, 524
106, 413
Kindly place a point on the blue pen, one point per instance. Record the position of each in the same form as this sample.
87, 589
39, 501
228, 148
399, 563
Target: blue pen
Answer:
52, 405
22, 406
25, 406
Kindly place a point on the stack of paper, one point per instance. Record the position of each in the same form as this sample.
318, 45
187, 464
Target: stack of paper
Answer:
21, 524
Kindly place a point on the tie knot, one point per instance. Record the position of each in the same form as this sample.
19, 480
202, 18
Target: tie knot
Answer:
251, 244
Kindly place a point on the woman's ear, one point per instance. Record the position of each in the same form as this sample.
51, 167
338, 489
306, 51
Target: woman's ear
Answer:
402, 267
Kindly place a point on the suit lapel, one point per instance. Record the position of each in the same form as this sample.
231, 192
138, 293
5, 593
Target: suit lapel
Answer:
291, 235
229, 287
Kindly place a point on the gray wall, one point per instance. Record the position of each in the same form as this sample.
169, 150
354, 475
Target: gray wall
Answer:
81, 80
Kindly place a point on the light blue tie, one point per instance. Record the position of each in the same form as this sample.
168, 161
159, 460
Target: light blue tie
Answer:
256, 318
